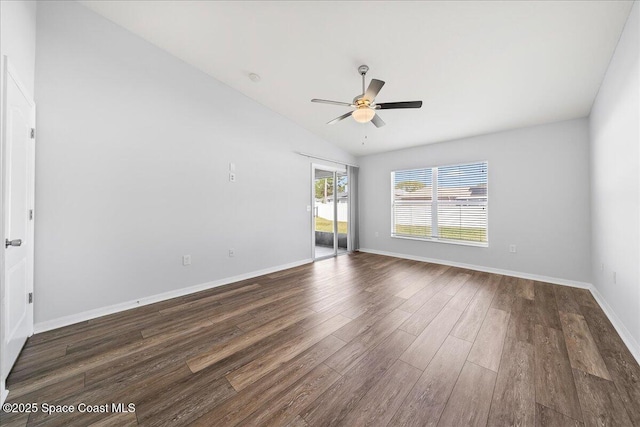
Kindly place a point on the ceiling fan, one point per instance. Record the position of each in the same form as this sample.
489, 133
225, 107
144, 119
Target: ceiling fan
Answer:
364, 105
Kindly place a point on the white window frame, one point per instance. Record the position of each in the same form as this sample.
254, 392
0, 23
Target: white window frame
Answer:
434, 207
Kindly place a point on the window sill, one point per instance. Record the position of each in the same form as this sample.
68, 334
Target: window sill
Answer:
450, 242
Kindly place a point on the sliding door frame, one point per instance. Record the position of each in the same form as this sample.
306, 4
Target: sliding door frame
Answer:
334, 170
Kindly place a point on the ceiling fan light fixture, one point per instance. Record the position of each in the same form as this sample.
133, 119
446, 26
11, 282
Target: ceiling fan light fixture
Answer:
363, 114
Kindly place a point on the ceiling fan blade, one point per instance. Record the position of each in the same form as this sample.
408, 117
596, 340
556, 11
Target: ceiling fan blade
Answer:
373, 89
394, 105
377, 121
326, 101
342, 117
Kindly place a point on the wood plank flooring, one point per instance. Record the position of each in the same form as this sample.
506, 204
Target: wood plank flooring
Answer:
357, 340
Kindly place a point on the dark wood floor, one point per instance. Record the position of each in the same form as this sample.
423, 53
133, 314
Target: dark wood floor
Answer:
358, 340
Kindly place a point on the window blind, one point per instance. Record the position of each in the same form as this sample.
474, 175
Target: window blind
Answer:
412, 200
446, 203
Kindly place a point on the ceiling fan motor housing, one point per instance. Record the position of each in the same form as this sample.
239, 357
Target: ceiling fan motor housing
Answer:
359, 101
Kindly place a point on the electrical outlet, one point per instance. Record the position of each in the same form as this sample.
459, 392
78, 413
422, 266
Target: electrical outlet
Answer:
512, 249
377, 234
186, 260
232, 253
308, 208
232, 177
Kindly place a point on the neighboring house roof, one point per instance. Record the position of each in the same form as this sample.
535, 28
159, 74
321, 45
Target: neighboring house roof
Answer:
446, 193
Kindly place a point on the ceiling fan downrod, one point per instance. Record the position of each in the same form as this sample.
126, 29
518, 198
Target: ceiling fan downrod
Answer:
363, 72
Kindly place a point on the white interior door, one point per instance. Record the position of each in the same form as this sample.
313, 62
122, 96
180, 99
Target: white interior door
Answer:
18, 185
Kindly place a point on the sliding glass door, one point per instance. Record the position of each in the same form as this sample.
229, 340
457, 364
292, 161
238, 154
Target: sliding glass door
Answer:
330, 211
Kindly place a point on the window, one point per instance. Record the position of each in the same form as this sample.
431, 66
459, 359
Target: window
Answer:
445, 203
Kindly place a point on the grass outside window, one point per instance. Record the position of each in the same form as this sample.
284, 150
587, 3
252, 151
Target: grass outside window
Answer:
323, 224
454, 233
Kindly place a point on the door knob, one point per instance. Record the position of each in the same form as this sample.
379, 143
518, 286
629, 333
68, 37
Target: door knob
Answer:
16, 242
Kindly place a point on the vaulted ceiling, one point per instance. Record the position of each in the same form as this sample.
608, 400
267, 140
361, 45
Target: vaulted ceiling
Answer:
478, 66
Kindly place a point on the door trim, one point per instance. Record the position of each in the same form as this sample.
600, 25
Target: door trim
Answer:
9, 72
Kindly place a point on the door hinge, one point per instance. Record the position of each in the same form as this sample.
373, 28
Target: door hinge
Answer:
31, 214
30, 297
33, 133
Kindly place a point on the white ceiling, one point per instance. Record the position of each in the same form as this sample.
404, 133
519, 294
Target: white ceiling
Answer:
478, 66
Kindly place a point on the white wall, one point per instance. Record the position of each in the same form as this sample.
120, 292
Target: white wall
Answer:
615, 181
538, 200
132, 168
18, 43
18, 38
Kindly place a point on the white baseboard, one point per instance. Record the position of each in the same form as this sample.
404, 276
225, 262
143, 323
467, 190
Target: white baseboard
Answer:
624, 333
103, 311
622, 330
3, 395
537, 277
